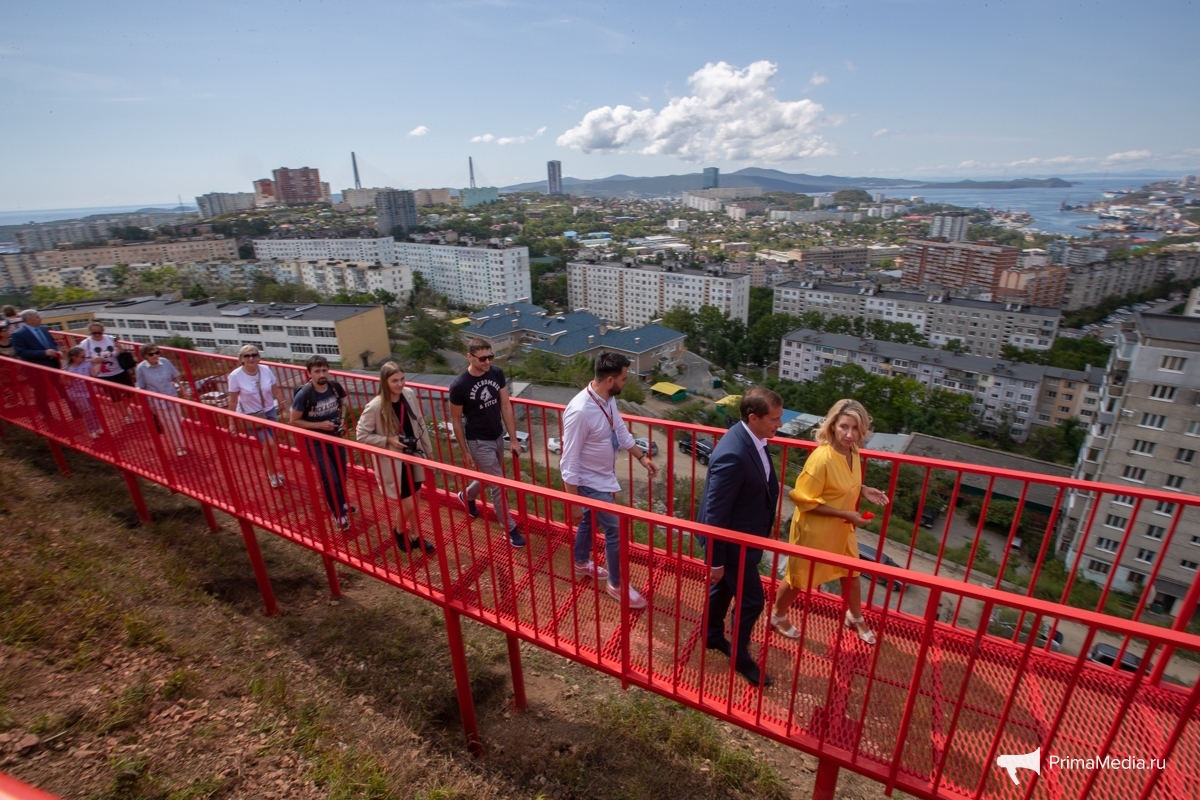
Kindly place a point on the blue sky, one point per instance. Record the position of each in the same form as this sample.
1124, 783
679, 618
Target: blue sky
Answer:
136, 102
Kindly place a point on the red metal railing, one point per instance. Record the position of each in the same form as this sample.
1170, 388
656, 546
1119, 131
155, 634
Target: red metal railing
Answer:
966, 668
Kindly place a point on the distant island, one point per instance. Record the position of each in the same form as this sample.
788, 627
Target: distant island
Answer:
1019, 183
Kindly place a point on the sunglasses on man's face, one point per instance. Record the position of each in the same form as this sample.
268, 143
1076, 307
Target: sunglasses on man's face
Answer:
250, 355
488, 357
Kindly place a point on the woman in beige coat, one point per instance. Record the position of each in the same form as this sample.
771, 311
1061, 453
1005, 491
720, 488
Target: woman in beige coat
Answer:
392, 421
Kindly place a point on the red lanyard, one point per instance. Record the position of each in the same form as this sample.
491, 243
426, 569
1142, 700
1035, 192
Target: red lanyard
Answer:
603, 408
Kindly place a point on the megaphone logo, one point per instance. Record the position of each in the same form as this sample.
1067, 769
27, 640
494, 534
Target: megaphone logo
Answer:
1031, 761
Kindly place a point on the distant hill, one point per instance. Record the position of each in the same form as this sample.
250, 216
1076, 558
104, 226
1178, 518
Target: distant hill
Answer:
771, 180
1019, 183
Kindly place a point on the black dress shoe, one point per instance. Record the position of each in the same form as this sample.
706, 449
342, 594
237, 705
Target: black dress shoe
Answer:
409, 545
752, 674
722, 645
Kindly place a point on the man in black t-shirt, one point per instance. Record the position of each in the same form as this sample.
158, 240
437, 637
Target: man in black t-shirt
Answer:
319, 407
480, 397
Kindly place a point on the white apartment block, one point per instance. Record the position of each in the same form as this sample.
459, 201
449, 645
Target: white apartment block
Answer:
677, 225
999, 390
701, 203
635, 295
281, 331
1147, 436
476, 275
982, 327
331, 277
359, 199
382, 249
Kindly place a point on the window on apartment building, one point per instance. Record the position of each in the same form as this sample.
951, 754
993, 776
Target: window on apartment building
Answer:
224, 326
1161, 391
1135, 577
328, 349
229, 342
180, 326
206, 342
1163, 507
298, 347
1099, 567
1093, 453
1064, 409
1193, 428
1146, 556
245, 328
1153, 421
1090, 401
1143, 447
1188, 565
1174, 482
1043, 417
1124, 499
158, 325
272, 328
1135, 474
294, 330
1050, 393
1113, 521
136, 323
278, 345
108, 323
202, 327
324, 333
1109, 545
1172, 363
1155, 532
140, 338
1185, 456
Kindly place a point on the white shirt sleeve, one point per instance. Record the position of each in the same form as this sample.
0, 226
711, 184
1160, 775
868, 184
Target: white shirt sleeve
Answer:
575, 425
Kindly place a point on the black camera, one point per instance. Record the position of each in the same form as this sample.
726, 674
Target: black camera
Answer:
408, 444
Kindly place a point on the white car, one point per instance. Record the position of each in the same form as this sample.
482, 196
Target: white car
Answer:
740, 378
522, 439
554, 445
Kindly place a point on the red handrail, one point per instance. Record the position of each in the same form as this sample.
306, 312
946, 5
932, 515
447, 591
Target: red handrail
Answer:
926, 710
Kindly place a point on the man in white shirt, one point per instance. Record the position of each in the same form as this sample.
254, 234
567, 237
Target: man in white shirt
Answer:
593, 433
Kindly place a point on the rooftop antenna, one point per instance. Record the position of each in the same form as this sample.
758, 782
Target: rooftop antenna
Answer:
354, 161
180, 202
471, 166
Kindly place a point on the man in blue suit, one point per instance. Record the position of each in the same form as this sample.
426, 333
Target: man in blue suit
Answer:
34, 343
740, 495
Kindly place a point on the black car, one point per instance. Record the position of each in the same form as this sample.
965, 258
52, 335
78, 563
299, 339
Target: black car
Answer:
868, 554
929, 516
1106, 654
704, 448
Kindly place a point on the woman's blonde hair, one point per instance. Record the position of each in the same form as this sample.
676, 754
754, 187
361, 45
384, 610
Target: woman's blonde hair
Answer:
823, 433
387, 414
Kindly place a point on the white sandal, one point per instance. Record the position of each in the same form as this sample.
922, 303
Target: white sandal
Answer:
779, 623
853, 622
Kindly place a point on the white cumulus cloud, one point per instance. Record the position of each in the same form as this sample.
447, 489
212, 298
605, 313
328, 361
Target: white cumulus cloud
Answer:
731, 115
1128, 155
818, 79
879, 133
488, 138
420, 130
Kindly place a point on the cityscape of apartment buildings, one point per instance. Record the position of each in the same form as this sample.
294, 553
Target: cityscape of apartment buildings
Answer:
1021, 396
981, 327
637, 294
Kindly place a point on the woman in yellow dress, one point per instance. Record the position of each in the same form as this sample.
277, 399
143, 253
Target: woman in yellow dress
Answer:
826, 497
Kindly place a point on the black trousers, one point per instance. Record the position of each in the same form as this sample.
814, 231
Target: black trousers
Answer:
722, 594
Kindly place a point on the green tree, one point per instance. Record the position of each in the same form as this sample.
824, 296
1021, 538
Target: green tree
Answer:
954, 346
131, 233
762, 303
851, 197
384, 297
683, 319
196, 292
633, 391
434, 333
179, 342
245, 251
119, 274
419, 352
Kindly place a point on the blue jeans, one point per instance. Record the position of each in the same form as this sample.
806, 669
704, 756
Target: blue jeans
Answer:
330, 460
584, 535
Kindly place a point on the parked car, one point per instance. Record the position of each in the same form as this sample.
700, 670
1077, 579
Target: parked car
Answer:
740, 378
1106, 654
522, 439
868, 554
929, 515
648, 445
704, 448
1005, 623
554, 444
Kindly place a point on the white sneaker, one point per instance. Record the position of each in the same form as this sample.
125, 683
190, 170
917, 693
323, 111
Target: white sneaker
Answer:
590, 570
636, 600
